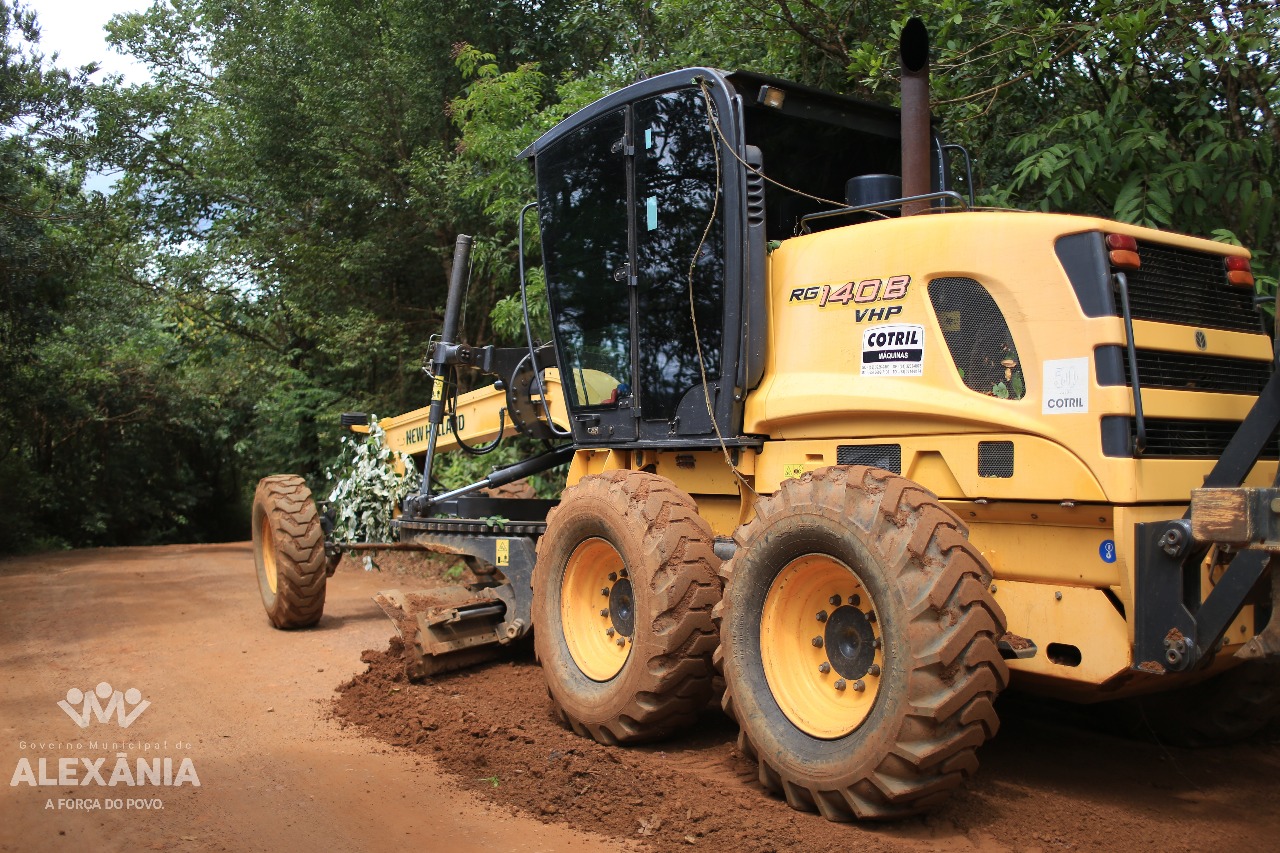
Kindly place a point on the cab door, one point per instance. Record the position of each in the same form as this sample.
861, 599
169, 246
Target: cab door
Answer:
680, 264
583, 199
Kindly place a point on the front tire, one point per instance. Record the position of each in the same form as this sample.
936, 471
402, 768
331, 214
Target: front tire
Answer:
288, 548
624, 587
858, 642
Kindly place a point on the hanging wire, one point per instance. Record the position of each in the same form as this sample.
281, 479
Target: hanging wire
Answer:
717, 131
693, 263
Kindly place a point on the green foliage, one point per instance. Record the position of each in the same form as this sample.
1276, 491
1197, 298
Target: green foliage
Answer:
368, 488
454, 470
290, 180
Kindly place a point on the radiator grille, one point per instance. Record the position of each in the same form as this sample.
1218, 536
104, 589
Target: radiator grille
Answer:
1172, 438
886, 456
1180, 371
1190, 288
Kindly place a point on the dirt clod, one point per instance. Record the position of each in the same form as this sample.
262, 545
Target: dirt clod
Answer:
1015, 642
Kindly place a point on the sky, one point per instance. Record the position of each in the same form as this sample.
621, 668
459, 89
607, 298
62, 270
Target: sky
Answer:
74, 30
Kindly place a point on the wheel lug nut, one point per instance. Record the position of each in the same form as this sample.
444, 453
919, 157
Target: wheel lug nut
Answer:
824, 667
875, 644
622, 573
858, 686
839, 685
871, 616
822, 616
855, 600
620, 641
604, 612
874, 669
604, 590
834, 601
613, 576
609, 632
817, 642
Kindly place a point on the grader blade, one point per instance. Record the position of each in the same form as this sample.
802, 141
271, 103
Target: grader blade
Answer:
446, 628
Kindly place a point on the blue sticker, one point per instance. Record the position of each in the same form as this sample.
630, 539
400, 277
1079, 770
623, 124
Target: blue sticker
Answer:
651, 212
648, 138
1107, 551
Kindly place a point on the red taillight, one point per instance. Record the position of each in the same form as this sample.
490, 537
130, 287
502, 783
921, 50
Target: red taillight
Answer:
1239, 271
1124, 252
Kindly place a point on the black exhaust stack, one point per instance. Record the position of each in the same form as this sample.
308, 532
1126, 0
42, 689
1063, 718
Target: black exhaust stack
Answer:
913, 47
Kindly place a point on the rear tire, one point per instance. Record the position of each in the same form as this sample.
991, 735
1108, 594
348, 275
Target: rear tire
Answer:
1227, 708
871, 565
632, 545
288, 548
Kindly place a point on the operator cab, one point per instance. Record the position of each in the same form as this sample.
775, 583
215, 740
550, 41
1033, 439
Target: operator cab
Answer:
655, 223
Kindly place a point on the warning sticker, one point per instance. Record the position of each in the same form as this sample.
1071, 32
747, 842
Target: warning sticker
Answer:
893, 350
1066, 386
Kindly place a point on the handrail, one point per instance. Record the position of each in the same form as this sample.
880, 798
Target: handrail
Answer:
528, 331
951, 195
1140, 424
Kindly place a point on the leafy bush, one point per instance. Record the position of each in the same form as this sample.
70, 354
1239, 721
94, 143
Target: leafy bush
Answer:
369, 487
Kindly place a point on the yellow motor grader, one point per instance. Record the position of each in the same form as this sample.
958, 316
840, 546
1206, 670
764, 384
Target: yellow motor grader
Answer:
865, 451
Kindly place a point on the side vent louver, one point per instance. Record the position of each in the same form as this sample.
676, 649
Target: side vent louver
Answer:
995, 459
886, 456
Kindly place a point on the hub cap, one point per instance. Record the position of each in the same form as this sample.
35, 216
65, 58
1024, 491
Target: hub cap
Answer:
597, 609
820, 645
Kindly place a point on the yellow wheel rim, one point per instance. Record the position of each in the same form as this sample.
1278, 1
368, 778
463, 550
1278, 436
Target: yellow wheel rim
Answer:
821, 646
597, 609
268, 553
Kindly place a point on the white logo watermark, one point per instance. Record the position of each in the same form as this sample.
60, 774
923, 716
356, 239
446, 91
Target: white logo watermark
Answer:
91, 705
123, 707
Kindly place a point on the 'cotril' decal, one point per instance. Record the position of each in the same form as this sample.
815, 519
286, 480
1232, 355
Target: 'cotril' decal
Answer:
893, 350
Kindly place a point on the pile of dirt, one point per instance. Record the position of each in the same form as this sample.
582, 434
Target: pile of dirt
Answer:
1048, 782
409, 567
493, 728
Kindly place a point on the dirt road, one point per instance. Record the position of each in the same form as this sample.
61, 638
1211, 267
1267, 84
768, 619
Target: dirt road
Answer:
474, 761
248, 704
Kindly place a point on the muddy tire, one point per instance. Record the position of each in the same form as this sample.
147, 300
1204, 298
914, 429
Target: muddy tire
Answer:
288, 547
626, 557
858, 644
519, 490
1227, 708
